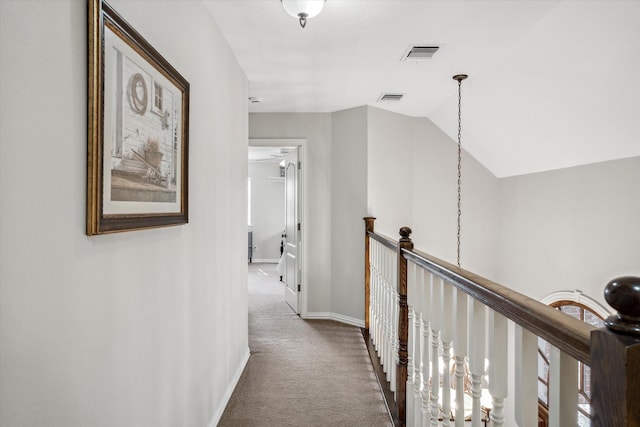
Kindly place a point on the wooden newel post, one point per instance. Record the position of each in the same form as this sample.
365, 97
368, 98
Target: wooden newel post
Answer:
615, 358
368, 224
403, 325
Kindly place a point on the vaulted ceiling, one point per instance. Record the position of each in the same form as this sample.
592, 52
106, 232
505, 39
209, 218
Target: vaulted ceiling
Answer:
552, 84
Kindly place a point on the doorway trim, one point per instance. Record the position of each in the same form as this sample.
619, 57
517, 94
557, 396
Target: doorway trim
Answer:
302, 204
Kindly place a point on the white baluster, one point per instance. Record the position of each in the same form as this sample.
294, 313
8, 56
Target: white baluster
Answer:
426, 374
383, 307
390, 321
417, 386
460, 351
563, 389
381, 304
425, 305
416, 396
372, 290
411, 297
526, 378
374, 297
377, 305
389, 344
393, 347
385, 311
393, 321
435, 309
396, 327
381, 300
447, 337
497, 365
477, 325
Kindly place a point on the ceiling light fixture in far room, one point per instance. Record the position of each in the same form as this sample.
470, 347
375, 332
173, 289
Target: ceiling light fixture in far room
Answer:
303, 9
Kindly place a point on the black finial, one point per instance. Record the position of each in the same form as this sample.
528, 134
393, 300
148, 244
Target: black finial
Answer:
623, 294
405, 234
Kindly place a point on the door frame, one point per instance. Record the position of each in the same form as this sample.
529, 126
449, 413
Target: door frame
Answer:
302, 207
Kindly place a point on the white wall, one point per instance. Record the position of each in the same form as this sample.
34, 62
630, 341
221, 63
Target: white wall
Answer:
146, 328
316, 128
390, 165
368, 161
267, 210
559, 230
568, 229
412, 181
348, 207
435, 181
336, 194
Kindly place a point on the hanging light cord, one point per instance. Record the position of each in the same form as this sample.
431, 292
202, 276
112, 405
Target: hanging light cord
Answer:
459, 78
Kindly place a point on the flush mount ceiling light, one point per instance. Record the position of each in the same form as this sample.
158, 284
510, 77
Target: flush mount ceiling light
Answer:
303, 9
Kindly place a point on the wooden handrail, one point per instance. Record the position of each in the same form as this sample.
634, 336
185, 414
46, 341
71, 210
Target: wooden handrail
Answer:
385, 240
567, 333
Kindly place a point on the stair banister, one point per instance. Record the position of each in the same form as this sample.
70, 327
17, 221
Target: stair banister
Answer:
612, 352
404, 243
570, 335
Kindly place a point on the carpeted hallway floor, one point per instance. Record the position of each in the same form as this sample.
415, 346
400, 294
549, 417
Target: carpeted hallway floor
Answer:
301, 373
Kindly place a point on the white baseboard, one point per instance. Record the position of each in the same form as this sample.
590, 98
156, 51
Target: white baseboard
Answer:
232, 386
334, 316
264, 261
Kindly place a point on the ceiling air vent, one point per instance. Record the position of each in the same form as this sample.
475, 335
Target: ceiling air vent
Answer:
390, 97
419, 53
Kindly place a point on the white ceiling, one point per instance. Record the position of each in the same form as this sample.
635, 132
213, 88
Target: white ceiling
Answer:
551, 84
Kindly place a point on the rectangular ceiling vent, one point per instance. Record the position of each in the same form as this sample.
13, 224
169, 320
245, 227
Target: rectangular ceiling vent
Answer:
390, 97
420, 53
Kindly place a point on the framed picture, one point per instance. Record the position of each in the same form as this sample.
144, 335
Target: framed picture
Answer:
137, 168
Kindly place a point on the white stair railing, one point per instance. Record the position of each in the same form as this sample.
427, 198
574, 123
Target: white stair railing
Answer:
383, 305
442, 335
453, 335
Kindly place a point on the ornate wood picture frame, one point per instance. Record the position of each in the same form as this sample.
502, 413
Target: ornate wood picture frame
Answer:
137, 155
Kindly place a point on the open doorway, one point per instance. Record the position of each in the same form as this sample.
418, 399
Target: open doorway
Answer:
275, 201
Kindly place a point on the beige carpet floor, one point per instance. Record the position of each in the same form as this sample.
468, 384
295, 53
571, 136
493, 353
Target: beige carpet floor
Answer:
301, 372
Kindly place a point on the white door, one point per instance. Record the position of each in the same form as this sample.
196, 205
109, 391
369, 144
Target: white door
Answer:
291, 275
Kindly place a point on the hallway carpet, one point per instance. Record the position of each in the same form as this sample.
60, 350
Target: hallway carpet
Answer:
301, 372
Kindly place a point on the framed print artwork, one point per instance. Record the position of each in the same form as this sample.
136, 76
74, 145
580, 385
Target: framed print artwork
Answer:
137, 166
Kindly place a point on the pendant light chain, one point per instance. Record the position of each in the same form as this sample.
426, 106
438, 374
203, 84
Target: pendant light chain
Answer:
459, 78
459, 165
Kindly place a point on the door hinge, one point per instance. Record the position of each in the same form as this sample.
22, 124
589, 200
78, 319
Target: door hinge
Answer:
298, 287
299, 165
298, 226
